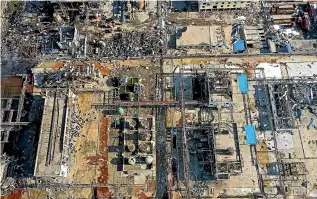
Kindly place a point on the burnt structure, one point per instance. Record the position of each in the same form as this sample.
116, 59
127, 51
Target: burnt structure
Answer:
290, 95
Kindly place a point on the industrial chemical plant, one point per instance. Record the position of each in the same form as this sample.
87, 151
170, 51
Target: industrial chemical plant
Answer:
137, 99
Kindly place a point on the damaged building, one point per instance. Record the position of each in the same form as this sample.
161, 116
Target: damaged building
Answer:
53, 150
156, 99
196, 141
209, 5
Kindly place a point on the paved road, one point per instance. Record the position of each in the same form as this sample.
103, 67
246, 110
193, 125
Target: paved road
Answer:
242, 55
161, 139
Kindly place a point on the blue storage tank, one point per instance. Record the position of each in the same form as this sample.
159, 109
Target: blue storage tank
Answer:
239, 45
288, 48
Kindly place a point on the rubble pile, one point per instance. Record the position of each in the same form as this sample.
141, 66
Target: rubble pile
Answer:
131, 44
76, 123
67, 76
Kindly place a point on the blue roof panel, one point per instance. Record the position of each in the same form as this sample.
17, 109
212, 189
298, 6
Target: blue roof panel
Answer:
250, 134
243, 83
239, 46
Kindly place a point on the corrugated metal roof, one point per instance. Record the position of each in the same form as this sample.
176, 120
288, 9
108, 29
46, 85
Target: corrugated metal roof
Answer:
250, 134
243, 83
239, 45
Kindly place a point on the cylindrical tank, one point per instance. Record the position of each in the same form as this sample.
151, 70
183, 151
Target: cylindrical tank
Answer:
132, 160
145, 124
144, 148
144, 136
57, 17
149, 159
102, 43
129, 6
140, 4
92, 68
120, 110
130, 146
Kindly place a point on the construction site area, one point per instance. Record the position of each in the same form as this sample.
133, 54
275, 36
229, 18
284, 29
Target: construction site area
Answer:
158, 99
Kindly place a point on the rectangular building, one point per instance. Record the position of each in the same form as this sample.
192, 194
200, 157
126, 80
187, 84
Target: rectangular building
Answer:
13, 91
52, 152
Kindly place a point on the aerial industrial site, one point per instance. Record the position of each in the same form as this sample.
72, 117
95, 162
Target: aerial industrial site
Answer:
137, 99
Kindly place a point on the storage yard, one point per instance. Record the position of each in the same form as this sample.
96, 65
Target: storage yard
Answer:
159, 99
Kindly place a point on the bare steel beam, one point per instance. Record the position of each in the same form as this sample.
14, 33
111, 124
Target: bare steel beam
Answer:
148, 104
21, 101
72, 185
13, 123
185, 149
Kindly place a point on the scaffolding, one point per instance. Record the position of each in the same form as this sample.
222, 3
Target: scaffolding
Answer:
205, 88
11, 114
279, 101
289, 95
211, 88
